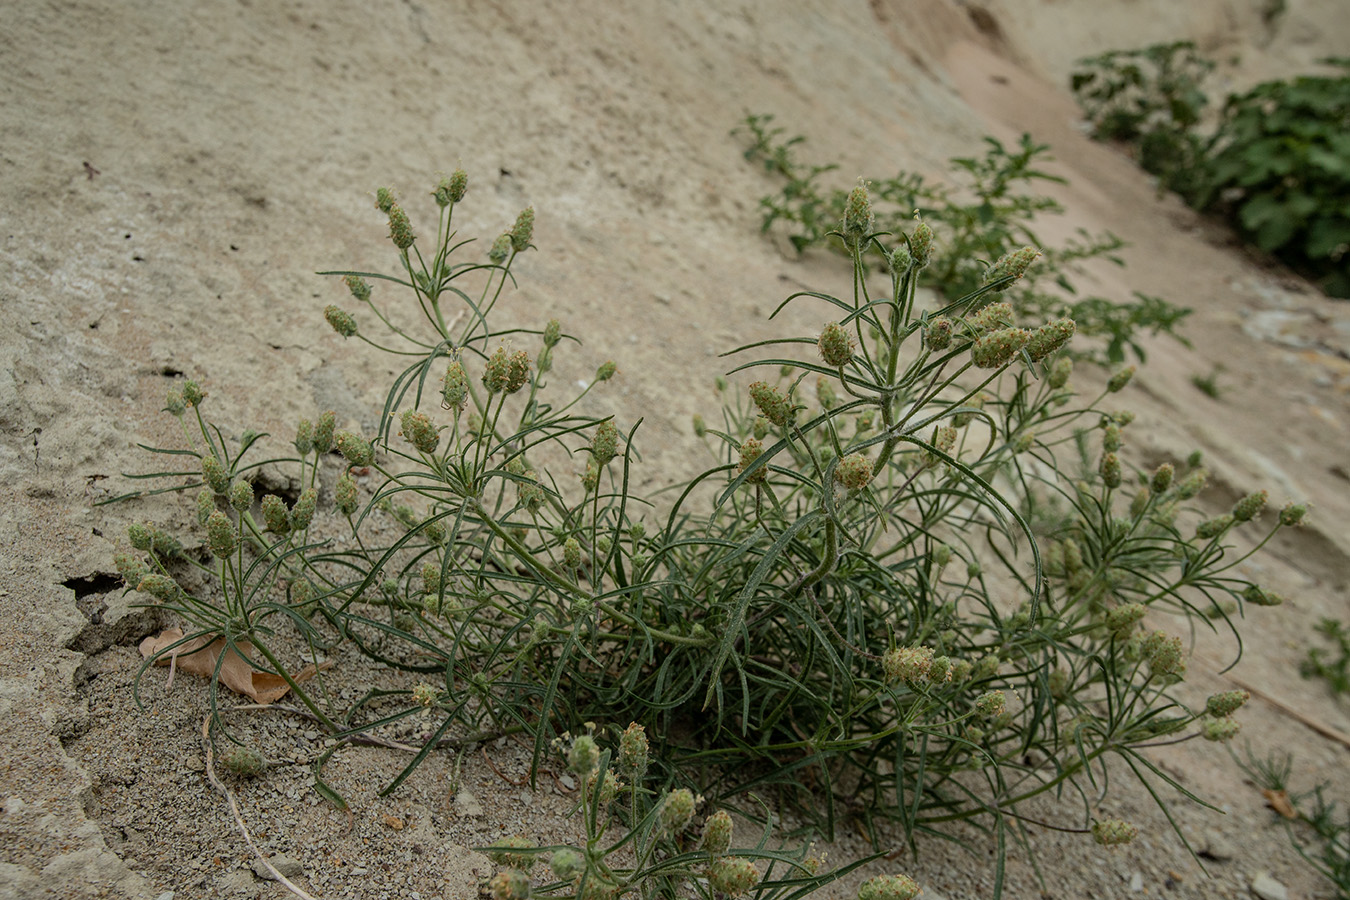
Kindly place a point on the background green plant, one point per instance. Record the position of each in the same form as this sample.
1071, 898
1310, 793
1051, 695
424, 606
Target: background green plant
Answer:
1280, 163
1277, 164
1320, 829
1333, 667
909, 590
990, 212
1151, 99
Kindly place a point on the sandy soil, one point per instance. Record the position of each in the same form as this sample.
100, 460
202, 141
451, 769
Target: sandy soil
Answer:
174, 173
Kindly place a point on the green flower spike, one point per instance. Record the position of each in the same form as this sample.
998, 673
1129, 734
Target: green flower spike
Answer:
835, 345
889, 887
999, 347
773, 405
1113, 832
275, 514
733, 876
717, 833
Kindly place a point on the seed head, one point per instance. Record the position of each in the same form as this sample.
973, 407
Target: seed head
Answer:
1113, 832
1192, 484
354, 448
242, 761
220, 536
500, 248
425, 695
458, 186
1110, 470
193, 395
359, 287
750, 451
733, 876
517, 371
993, 317
174, 402
344, 494
241, 495
1221, 729
717, 833
900, 260
1123, 618
854, 471
1162, 478
942, 554
442, 193
773, 405
1212, 528
1011, 264
1166, 658
571, 554
400, 229
606, 371
921, 245
937, 335
633, 750
342, 321
1049, 338
941, 670
1060, 372
889, 887
858, 218
500, 852
677, 810
1226, 703
700, 426
510, 884
1120, 379
303, 511
999, 347
605, 444
161, 587
418, 430
908, 664
431, 578
215, 476
323, 432
1258, 596
384, 200
552, 333
835, 345
496, 375
1293, 514
566, 863
454, 386
990, 704
1250, 506
304, 437
523, 230
131, 567
275, 514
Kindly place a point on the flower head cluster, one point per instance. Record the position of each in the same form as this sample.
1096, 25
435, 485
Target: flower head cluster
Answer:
998, 347
1113, 832
908, 664
889, 887
772, 404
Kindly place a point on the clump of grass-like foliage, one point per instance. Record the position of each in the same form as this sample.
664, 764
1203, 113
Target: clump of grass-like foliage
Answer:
912, 589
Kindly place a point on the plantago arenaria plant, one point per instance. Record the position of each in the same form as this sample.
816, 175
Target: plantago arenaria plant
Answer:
922, 584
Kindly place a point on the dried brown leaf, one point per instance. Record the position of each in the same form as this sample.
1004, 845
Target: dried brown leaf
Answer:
1279, 801
200, 656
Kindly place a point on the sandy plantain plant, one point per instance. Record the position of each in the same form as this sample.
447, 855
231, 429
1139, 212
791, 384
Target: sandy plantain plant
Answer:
912, 588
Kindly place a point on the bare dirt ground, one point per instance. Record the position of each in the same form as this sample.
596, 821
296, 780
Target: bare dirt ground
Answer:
174, 173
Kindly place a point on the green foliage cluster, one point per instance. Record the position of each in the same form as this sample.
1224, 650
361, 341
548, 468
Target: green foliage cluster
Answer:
1319, 664
1277, 164
989, 213
1320, 828
910, 588
1152, 99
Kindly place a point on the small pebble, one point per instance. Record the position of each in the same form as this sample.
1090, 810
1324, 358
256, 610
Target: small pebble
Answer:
1268, 888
